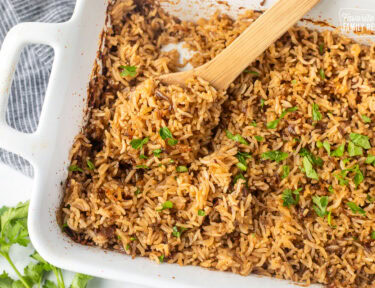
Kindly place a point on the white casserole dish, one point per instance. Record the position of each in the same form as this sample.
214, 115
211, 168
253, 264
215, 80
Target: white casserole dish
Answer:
76, 43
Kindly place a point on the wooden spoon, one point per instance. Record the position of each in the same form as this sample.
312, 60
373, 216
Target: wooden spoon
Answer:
232, 61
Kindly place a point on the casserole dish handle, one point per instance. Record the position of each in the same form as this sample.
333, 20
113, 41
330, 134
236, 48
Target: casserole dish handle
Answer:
17, 38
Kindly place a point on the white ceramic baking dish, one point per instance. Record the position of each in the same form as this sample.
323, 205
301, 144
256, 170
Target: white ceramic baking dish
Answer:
76, 43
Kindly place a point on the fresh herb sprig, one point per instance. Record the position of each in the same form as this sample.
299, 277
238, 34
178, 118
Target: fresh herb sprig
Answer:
13, 230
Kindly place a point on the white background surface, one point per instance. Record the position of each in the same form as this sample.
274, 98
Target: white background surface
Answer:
15, 188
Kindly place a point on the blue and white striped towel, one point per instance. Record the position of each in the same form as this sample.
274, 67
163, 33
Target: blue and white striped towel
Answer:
32, 74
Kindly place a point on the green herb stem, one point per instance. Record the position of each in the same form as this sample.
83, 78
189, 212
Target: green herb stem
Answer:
22, 279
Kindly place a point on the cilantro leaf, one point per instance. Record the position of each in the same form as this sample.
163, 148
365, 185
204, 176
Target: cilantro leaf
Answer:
309, 170
286, 171
201, 212
35, 272
181, 169
320, 206
128, 71
75, 168
237, 177
165, 133
80, 281
370, 159
366, 119
360, 140
339, 151
238, 138
314, 160
138, 143
5, 280
90, 165
355, 208
290, 197
251, 72
322, 74
277, 155
327, 146
157, 152
49, 284
273, 124
354, 150
259, 138
166, 205
316, 115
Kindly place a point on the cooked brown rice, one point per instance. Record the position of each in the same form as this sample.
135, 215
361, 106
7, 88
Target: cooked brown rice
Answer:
116, 190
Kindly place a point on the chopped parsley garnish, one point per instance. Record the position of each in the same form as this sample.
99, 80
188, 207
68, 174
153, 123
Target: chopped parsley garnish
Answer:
175, 232
366, 119
165, 205
242, 156
90, 165
319, 144
355, 208
251, 72
142, 167
75, 168
314, 160
369, 198
201, 212
138, 143
339, 151
157, 152
277, 156
241, 166
286, 171
166, 134
327, 147
127, 247
309, 170
172, 142
320, 206
128, 71
317, 116
181, 169
254, 124
273, 124
322, 74
262, 103
360, 140
161, 258
354, 150
290, 197
373, 235
143, 156
259, 138
321, 48
133, 238
138, 191
358, 176
329, 219
330, 189
294, 81
238, 138
237, 177
370, 159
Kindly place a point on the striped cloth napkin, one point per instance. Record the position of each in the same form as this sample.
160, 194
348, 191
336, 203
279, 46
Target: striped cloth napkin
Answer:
31, 77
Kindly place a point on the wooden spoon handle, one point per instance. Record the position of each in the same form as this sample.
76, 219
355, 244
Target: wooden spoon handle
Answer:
270, 26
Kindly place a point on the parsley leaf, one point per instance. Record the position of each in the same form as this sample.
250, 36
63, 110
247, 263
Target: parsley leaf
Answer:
142, 167
321, 48
262, 102
339, 151
251, 72
290, 197
355, 208
370, 159
75, 168
181, 169
320, 206
157, 152
373, 235
354, 150
161, 258
316, 115
309, 170
277, 156
254, 124
172, 142
366, 119
138, 143
329, 219
90, 165
286, 171
360, 140
166, 205
237, 177
327, 146
273, 124
238, 138
259, 138
322, 74
143, 156
314, 160
166, 134
80, 281
201, 212
128, 71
